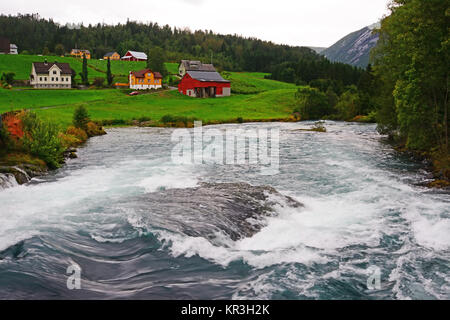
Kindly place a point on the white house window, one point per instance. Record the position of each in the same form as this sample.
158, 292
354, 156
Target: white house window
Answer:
62, 79
53, 79
45, 79
54, 72
56, 79
40, 78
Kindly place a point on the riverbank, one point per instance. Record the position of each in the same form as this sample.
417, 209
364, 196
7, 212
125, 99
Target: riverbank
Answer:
24, 167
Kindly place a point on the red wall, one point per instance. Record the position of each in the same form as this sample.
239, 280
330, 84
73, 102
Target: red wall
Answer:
188, 83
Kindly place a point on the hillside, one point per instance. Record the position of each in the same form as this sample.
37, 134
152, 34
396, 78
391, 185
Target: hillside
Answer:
270, 100
230, 52
21, 66
353, 49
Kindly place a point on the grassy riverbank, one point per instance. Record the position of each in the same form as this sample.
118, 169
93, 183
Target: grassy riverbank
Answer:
273, 100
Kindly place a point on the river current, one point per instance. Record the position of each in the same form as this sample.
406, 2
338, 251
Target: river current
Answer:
344, 207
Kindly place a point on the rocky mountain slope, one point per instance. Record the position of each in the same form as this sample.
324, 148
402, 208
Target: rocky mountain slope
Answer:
354, 48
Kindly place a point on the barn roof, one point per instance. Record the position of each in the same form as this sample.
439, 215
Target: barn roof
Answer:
197, 66
43, 68
206, 76
138, 55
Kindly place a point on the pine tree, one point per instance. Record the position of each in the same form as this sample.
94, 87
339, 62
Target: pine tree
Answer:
109, 76
80, 118
155, 61
84, 72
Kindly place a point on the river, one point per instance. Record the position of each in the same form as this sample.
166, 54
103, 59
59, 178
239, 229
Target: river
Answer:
140, 226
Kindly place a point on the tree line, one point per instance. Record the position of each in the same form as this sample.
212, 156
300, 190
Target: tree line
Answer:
411, 63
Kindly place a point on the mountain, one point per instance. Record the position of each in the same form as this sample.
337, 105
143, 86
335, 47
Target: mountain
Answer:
317, 49
354, 48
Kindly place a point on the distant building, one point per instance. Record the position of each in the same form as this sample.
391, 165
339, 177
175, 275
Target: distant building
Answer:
51, 75
204, 84
112, 56
5, 46
187, 65
145, 79
13, 49
135, 56
77, 53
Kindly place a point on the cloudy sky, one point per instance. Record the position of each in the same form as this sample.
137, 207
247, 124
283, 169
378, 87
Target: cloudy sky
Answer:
295, 22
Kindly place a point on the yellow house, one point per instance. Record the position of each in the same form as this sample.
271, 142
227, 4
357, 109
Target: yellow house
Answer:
145, 79
112, 56
77, 53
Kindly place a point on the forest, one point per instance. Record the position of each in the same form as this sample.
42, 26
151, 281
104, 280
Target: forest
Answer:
411, 64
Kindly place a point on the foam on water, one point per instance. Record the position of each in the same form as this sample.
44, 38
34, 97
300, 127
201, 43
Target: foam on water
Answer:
360, 210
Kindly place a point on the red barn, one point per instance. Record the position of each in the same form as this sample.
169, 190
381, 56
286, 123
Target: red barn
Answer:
204, 84
134, 56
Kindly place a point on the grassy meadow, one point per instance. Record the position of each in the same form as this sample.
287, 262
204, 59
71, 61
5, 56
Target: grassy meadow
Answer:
253, 97
21, 66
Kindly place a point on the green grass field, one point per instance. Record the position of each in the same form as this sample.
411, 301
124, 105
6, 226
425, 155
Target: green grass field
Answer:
265, 99
21, 66
274, 104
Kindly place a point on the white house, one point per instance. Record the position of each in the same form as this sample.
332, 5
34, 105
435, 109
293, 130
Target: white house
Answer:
51, 75
13, 49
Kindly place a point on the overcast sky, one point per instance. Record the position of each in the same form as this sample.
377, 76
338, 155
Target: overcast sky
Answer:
296, 22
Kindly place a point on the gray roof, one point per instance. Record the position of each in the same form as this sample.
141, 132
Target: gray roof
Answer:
206, 76
197, 66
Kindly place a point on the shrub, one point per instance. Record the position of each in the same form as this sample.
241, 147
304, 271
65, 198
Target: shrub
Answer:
8, 77
80, 118
113, 122
348, 105
177, 120
80, 134
99, 82
94, 130
69, 140
312, 103
42, 140
4, 136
